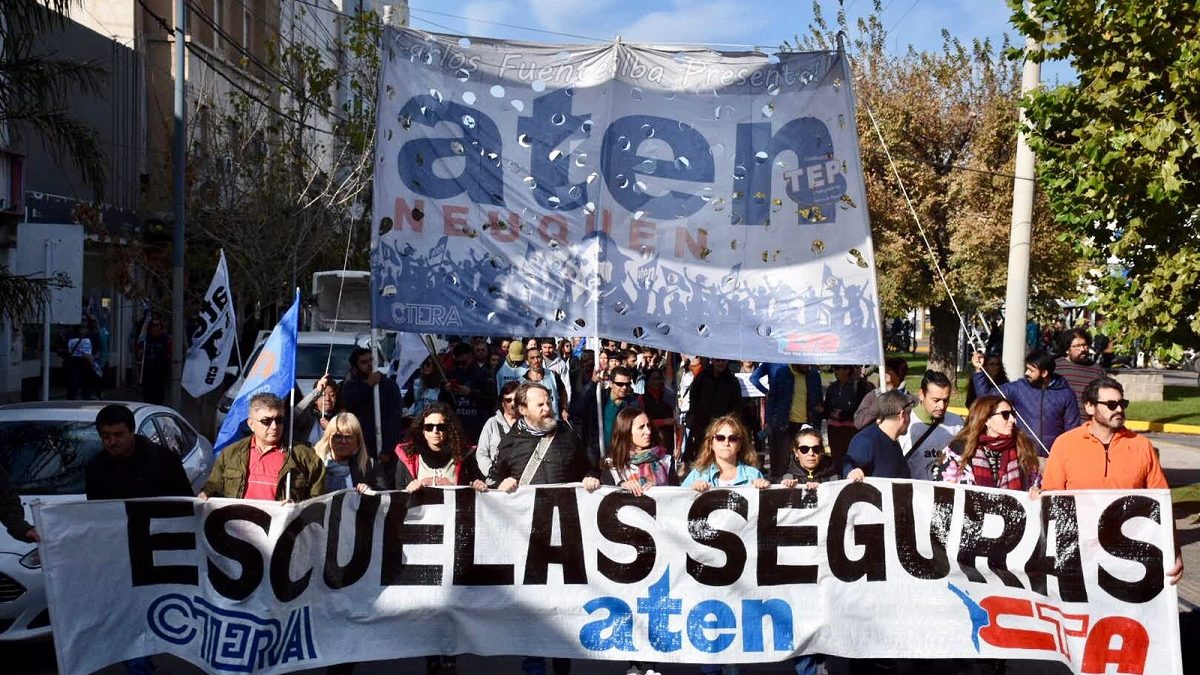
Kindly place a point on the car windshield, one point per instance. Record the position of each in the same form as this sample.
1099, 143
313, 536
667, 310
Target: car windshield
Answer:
311, 359
48, 458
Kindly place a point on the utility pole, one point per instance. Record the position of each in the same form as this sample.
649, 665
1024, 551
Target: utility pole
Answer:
1016, 299
177, 242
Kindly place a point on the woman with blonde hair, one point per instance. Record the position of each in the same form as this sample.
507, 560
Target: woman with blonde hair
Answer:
344, 450
726, 458
991, 450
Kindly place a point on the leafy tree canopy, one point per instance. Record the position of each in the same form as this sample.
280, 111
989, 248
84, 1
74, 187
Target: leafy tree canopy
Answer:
1117, 154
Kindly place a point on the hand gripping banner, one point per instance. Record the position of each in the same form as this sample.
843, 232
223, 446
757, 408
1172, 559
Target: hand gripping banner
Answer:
694, 200
727, 576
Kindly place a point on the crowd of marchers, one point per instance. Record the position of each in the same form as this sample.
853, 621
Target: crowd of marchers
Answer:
502, 414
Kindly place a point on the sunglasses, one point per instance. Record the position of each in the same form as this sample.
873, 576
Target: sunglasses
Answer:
1005, 414
435, 427
620, 384
732, 438
509, 399
343, 438
271, 421
805, 449
1123, 404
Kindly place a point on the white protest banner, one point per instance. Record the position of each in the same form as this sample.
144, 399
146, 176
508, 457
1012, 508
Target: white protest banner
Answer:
213, 338
727, 576
692, 200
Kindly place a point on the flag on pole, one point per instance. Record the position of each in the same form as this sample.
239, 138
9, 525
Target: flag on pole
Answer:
273, 371
213, 339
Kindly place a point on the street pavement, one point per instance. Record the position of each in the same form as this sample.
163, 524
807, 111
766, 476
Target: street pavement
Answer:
1181, 462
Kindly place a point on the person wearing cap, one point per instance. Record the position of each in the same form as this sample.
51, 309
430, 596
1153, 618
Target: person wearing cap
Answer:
513, 368
874, 451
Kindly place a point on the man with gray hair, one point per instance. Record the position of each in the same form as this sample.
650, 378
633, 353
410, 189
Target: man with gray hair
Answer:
874, 451
259, 467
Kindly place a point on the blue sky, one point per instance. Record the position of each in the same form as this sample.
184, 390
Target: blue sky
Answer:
736, 22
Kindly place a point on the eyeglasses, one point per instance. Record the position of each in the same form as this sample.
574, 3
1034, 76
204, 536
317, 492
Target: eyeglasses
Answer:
435, 427
1123, 404
805, 449
732, 438
626, 383
343, 438
1005, 414
269, 421
1079, 345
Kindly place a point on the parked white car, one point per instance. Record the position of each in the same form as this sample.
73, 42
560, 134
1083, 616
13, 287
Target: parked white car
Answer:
44, 447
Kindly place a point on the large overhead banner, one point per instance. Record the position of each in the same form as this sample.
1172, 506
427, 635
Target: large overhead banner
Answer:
727, 576
693, 200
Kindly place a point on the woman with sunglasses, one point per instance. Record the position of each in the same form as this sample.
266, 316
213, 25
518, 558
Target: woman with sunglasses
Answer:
725, 459
991, 450
496, 426
809, 465
344, 451
635, 459
436, 453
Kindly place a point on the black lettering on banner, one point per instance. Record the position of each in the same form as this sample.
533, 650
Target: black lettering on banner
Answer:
772, 536
547, 502
286, 588
973, 544
873, 563
937, 566
397, 534
466, 571
339, 576
245, 554
728, 543
641, 541
142, 544
1116, 544
1065, 563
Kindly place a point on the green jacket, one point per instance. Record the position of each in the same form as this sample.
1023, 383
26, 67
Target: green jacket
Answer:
232, 470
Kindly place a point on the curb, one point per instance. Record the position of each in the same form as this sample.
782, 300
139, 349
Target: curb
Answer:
1132, 425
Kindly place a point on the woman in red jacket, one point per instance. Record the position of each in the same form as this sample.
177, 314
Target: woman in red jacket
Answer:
436, 453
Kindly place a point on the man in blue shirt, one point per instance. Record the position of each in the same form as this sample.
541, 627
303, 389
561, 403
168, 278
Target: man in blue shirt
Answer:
874, 451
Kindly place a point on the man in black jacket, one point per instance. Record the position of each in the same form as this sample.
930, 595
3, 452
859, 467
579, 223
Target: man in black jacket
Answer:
538, 437
715, 392
132, 466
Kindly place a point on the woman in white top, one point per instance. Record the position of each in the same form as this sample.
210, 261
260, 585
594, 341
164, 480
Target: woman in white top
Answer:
436, 453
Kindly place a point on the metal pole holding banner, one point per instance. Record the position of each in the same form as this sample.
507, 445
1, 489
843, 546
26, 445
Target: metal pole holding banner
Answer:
46, 328
375, 393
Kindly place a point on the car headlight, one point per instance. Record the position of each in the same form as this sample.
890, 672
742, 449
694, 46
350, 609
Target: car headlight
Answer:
31, 560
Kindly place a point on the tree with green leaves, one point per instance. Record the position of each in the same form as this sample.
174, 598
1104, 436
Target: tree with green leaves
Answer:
1118, 155
948, 118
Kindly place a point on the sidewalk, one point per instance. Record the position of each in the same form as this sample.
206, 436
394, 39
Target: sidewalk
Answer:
1180, 456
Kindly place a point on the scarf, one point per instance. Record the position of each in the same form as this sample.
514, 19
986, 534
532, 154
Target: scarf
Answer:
650, 467
336, 474
996, 463
435, 460
524, 426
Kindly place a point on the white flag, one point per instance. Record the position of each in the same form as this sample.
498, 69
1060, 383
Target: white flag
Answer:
213, 339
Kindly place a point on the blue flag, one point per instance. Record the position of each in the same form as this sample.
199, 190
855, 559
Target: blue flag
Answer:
578, 351
274, 371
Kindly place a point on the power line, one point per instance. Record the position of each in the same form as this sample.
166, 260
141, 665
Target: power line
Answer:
505, 25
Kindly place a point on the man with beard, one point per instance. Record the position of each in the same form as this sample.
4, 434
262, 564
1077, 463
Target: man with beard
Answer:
1077, 368
552, 361
1102, 454
539, 450
1044, 402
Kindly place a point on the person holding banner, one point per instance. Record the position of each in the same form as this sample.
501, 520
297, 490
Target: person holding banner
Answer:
809, 465
436, 453
991, 451
635, 459
874, 451
344, 450
259, 467
1102, 454
726, 459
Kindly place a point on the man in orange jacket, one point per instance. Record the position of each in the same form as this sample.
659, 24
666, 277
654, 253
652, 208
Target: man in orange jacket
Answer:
1103, 455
